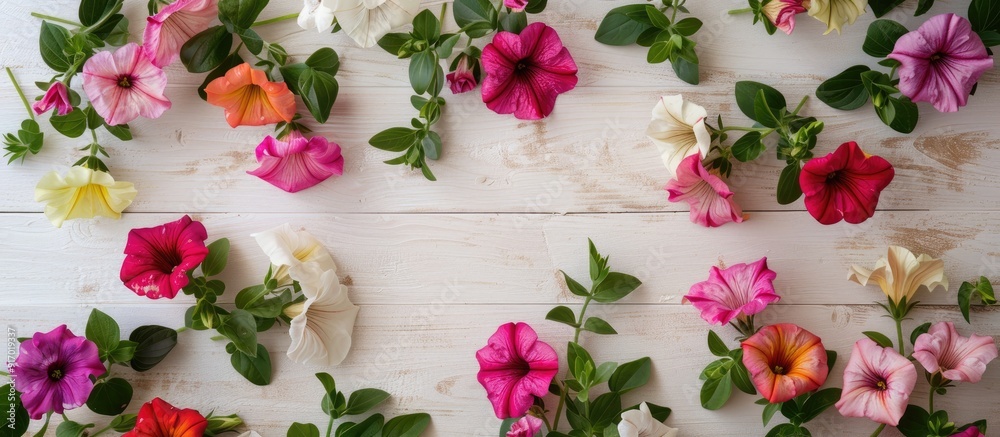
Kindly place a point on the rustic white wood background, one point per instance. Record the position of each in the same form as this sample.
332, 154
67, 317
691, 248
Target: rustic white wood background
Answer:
437, 266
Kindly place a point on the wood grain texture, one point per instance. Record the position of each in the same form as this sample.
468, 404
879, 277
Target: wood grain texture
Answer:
438, 266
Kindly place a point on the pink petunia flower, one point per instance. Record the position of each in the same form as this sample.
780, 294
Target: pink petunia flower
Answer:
707, 194
782, 13
463, 79
527, 426
737, 291
517, 5
785, 361
844, 185
514, 367
158, 259
971, 431
877, 383
57, 96
53, 371
297, 163
957, 358
526, 72
941, 61
124, 85
173, 26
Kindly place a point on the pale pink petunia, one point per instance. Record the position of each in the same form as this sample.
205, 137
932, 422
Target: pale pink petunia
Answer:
57, 96
942, 349
736, 291
514, 368
525, 72
125, 85
782, 13
527, 426
941, 62
173, 26
877, 383
299, 162
707, 194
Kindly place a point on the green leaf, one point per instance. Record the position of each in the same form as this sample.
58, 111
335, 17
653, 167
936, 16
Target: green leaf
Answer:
562, 315
52, 42
369, 427
251, 40
470, 12
748, 147
985, 290
110, 397
630, 375
923, 6
965, 299
605, 409
918, 331
394, 42
256, 369
302, 430
746, 96
153, 343
94, 119
514, 22
741, 377
844, 91
598, 326
319, 92
819, 402
364, 400
715, 392
536, 6
788, 430
914, 422
123, 423
217, 258
659, 52
70, 428
207, 50
899, 113
249, 296
432, 145
396, 139
657, 17
581, 364
984, 15
124, 352
764, 114
426, 26
325, 60
329, 384
410, 425
574, 287
119, 34
422, 68
240, 14
103, 331
615, 286
688, 26
716, 345
879, 338
882, 7
15, 417
788, 184
91, 11
240, 327
447, 45
72, 125
219, 71
686, 69
882, 36
769, 411
620, 28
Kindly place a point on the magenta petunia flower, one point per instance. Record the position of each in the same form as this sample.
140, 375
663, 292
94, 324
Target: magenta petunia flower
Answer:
299, 162
971, 431
463, 79
516, 5
527, 426
158, 259
124, 85
844, 185
739, 290
941, 61
53, 371
707, 194
782, 13
514, 367
957, 358
57, 96
877, 383
526, 72
173, 26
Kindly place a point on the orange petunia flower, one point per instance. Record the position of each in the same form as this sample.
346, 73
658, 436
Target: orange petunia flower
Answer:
250, 99
785, 361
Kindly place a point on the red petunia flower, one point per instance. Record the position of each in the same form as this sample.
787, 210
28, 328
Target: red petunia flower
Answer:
160, 419
844, 185
157, 259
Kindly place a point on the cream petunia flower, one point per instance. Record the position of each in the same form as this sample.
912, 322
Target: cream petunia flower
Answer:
321, 326
640, 423
901, 273
83, 193
835, 13
678, 130
317, 14
367, 21
293, 251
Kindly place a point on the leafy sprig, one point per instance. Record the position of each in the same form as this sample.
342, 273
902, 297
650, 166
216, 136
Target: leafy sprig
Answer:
657, 28
970, 290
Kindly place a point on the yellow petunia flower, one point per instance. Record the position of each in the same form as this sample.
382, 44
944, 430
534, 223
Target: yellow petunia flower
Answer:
835, 13
83, 193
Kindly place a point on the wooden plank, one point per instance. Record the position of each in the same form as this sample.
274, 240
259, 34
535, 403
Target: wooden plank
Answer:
424, 356
502, 259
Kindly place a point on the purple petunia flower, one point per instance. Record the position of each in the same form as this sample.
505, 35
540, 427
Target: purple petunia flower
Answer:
53, 371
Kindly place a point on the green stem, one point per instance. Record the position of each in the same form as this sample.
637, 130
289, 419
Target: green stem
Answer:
20, 93
673, 15
899, 336
55, 19
2, 373
562, 401
878, 430
218, 337
740, 11
274, 20
548, 426
181, 329
444, 9
930, 400
329, 426
801, 104
764, 131
100, 431
579, 323
576, 339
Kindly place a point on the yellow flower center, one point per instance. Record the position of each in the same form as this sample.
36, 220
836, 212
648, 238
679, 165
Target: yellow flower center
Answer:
881, 385
779, 370
124, 82
56, 374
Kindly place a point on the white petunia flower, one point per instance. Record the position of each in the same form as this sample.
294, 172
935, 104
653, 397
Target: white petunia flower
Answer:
678, 129
321, 326
640, 423
291, 250
367, 21
317, 14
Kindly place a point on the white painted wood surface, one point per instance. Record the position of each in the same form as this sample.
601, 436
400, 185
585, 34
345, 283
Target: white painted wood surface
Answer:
438, 266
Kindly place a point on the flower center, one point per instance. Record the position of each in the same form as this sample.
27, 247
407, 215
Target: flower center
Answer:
778, 370
522, 65
881, 385
125, 82
832, 176
55, 374
937, 56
